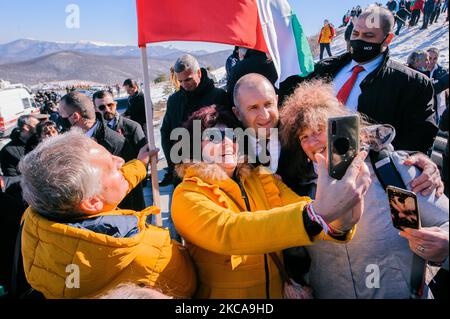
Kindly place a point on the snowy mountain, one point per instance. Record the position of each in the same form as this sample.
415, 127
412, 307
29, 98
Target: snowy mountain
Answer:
410, 39
70, 65
26, 49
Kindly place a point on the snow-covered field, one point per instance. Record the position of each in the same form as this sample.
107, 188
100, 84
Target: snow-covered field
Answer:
411, 39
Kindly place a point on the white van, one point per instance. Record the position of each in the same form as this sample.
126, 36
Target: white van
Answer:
15, 101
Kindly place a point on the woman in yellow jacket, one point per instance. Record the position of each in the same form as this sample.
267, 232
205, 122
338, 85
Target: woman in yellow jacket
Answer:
232, 216
76, 243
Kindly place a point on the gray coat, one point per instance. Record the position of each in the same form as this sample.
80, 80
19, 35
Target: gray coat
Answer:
340, 271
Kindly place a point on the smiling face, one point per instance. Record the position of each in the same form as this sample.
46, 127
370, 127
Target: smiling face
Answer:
257, 107
313, 142
219, 147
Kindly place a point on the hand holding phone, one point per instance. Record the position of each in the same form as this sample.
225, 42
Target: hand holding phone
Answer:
404, 208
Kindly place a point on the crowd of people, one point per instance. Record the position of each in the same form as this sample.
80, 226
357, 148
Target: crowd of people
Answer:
257, 212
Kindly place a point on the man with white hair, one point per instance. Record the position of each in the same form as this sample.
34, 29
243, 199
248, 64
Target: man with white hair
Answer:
196, 90
418, 60
76, 243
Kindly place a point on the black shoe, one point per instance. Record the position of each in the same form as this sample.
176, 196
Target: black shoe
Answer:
167, 180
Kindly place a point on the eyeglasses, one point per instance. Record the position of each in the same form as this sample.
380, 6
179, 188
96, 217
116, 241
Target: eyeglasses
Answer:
103, 106
218, 136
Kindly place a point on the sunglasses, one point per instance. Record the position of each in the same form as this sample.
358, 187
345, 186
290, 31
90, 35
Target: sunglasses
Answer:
103, 106
213, 136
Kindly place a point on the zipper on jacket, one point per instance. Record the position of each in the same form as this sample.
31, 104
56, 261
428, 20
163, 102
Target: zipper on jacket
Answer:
266, 262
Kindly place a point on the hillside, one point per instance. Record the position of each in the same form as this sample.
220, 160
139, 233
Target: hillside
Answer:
69, 65
27, 49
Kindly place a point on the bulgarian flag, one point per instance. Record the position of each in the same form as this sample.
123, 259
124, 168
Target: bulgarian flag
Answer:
270, 26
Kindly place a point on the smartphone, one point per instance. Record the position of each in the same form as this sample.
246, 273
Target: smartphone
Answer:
343, 143
404, 208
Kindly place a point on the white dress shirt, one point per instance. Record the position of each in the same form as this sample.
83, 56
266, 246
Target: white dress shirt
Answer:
91, 131
274, 147
343, 75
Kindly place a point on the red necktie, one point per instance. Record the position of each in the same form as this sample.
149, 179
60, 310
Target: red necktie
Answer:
346, 89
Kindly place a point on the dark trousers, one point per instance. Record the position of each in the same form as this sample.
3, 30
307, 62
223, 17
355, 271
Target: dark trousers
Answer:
435, 15
324, 46
415, 16
426, 19
400, 25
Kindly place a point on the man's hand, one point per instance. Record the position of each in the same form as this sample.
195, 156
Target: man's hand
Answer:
145, 153
430, 243
430, 179
336, 199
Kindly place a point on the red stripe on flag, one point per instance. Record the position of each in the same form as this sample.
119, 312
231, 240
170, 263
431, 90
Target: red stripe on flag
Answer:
233, 22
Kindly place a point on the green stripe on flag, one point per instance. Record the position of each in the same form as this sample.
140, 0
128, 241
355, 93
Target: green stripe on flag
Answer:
305, 58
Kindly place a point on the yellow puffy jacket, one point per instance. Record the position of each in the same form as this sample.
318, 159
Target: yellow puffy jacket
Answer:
54, 252
229, 245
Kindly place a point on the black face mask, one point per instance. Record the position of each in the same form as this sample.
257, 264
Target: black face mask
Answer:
65, 123
362, 51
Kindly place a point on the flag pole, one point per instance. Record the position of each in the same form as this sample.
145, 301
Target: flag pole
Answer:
150, 134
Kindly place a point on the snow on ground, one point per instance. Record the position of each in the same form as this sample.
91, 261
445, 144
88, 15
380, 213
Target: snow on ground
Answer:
411, 39
220, 74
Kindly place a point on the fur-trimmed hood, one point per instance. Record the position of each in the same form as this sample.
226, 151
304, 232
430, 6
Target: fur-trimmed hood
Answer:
212, 173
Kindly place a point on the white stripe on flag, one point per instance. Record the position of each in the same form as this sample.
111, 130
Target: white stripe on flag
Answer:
289, 50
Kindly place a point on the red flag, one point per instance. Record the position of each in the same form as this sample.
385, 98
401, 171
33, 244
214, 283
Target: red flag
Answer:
233, 22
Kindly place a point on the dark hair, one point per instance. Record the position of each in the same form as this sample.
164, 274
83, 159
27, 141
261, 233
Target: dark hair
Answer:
209, 117
80, 103
41, 126
24, 120
100, 95
130, 83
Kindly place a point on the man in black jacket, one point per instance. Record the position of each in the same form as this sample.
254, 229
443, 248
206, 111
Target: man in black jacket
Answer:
197, 90
77, 110
383, 89
12, 153
131, 130
136, 103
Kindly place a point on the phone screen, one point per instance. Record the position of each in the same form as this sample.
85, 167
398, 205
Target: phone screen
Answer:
404, 210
